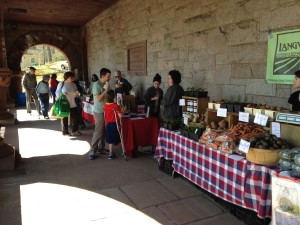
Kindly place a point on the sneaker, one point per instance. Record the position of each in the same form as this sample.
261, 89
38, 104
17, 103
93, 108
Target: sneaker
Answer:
91, 155
76, 133
82, 126
112, 156
46, 117
102, 151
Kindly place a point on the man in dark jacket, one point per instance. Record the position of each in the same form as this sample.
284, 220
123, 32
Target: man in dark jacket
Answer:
122, 85
29, 83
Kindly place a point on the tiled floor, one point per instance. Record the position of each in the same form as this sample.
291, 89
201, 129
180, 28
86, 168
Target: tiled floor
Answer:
55, 183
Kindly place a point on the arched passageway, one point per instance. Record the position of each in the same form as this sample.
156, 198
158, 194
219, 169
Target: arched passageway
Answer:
24, 42
21, 44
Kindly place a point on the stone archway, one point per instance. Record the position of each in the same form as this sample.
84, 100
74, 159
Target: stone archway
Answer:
17, 49
24, 42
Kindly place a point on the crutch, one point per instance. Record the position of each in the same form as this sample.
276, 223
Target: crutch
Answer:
119, 128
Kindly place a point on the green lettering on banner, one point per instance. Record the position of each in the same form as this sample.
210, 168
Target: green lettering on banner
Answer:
283, 56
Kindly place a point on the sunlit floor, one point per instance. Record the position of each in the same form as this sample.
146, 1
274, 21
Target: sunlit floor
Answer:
49, 142
56, 184
50, 204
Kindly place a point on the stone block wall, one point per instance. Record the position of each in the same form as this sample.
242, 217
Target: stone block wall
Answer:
218, 45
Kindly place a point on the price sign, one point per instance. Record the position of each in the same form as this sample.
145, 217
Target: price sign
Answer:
182, 102
276, 129
244, 117
185, 121
222, 112
261, 119
244, 146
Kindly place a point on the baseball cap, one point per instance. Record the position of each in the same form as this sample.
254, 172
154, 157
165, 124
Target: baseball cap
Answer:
32, 68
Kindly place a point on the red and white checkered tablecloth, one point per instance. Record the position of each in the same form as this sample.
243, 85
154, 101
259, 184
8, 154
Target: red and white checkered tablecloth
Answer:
237, 181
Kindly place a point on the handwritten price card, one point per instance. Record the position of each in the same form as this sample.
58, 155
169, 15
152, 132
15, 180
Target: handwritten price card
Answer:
244, 117
261, 119
244, 146
222, 112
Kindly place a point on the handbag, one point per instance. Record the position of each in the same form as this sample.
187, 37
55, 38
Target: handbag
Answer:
52, 113
62, 106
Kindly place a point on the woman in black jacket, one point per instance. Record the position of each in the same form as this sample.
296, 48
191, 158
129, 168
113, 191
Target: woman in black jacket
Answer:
153, 97
172, 110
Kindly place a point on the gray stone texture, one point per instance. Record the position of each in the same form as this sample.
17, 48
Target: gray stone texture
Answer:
182, 212
201, 38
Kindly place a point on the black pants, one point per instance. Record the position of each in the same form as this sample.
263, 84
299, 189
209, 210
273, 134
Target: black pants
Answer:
79, 111
74, 121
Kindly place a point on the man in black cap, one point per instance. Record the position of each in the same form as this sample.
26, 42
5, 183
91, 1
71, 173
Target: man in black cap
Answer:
29, 83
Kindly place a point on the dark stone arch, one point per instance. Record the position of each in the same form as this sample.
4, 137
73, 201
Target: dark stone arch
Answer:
32, 38
22, 43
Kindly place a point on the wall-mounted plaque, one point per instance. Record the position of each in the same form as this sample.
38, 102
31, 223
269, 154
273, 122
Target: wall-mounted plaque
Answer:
137, 58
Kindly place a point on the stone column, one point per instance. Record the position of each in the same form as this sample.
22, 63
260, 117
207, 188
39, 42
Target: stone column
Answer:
5, 78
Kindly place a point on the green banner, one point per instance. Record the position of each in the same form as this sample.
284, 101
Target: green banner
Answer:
283, 56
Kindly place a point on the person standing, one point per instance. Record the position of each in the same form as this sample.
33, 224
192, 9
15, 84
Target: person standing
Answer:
69, 89
294, 98
100, 89
153, 97
53, 86
112, 112
43, 92
78, 100
172, 110
29, 83
95, 78
122, 85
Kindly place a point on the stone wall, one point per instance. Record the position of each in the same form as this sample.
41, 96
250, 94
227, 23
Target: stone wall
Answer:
218, 45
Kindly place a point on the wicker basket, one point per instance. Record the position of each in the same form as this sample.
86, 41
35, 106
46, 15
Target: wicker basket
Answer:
263, 156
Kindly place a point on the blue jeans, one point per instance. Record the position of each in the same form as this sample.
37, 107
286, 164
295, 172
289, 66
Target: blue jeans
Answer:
44, 102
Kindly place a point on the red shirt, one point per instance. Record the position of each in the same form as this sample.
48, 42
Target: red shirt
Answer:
109, 112
53, 83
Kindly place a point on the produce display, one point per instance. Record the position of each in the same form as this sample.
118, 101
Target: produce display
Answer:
245, 130
268, 141
222, 125
290, 160
265, 148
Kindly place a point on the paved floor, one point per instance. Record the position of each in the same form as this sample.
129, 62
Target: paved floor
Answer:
55, 183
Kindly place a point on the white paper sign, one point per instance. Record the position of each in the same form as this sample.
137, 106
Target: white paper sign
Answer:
244, 146
261, 119
244, 117
222, 112
276, 129
148, 111
119, 99
182, 102
185, 120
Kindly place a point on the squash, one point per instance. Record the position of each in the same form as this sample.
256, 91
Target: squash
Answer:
297, 159
286, 165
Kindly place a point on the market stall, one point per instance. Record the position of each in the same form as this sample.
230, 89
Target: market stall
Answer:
231, 178
136, 128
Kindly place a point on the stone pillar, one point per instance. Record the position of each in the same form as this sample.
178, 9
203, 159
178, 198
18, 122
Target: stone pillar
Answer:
5, 77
